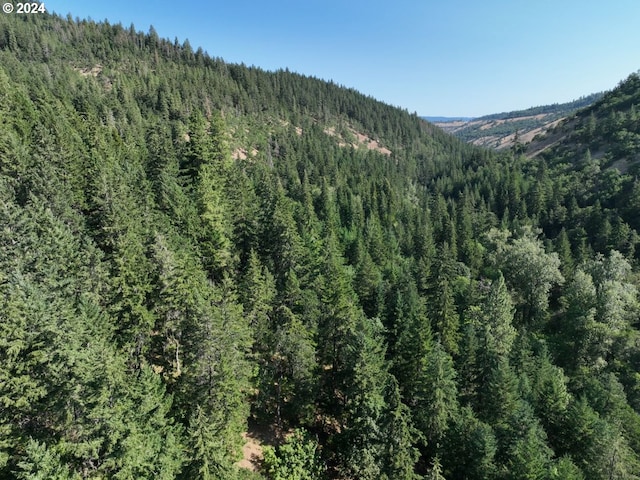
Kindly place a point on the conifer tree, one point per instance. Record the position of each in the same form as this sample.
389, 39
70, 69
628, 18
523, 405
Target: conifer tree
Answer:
442, 308
173, 225
438, 404
410, 339
337, 330
469, 448
214, 390
498, 332
435, 472
399, 437
207, 162
550, 397
362, 450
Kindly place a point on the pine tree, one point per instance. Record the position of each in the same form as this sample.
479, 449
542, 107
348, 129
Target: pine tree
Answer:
209, 159
411, 342
550, 397
499, 394
291, 367
469, 448
565, 468
399, 437
435, 472
362, 451
438, 404
258, 298
442, 308
214, 390
337, 329
498, 332
529, 456
563, 247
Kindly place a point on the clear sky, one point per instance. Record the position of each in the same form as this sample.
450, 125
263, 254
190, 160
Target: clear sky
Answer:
435, 57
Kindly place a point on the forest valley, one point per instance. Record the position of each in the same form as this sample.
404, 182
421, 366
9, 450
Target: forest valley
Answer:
192, 249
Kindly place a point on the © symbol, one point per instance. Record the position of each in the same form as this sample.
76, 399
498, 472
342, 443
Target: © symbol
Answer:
7, 7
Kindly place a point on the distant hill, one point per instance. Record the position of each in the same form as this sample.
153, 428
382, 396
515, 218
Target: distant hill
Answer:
447, 119
502, 130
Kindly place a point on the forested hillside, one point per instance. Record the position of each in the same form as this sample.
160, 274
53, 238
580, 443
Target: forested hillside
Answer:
192, 249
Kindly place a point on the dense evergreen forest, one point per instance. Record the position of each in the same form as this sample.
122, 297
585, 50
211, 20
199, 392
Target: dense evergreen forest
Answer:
191, 249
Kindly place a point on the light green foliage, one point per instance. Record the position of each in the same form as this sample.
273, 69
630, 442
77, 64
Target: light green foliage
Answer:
208, 154
42, 463
296, 459
611, 457
565, 469
601, 305
435, 472
530, 272
616, 298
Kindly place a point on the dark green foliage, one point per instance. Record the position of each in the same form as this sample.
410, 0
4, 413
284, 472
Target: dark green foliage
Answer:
399, 452
189, 247
469, 448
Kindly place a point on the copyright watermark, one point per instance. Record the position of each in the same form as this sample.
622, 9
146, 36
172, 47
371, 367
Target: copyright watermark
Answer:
28, 7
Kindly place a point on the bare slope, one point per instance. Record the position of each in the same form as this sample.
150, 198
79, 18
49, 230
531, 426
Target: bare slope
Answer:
504, 130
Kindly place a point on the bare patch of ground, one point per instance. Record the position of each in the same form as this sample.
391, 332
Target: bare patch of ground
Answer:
361, 141
251, 453
256, 437
371, 144
93, 71
242, 153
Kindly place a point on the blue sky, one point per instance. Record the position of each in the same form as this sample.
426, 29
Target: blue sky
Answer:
435, 57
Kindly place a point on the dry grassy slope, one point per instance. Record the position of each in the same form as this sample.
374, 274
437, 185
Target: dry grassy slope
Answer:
500, 133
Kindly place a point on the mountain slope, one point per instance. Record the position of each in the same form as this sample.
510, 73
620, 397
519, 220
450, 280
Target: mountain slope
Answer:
195, 253
608, 129
504, 130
